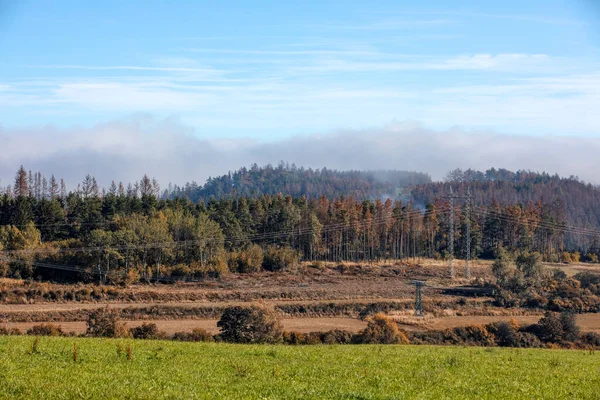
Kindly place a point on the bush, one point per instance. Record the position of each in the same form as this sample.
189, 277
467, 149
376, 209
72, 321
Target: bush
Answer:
277, 258
587, 279
589, 339
145, 331
254, 324
46, 330
337, 336
294, 337
556, 328
530, 264
9, 331
104, 322
505, 334
526, 339
250, 260
196, 335
502, 267
381, 329
475, 335
569, 327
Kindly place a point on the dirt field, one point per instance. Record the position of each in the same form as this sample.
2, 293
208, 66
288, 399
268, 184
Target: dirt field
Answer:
172, 326
587, 322
316, 296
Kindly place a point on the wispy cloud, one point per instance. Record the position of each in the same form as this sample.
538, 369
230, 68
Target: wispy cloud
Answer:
390, 24
125, 68
323, 88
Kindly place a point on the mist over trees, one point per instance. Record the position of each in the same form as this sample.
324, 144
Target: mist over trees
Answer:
298, 181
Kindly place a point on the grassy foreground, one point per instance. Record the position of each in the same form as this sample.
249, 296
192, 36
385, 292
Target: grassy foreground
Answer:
175, 370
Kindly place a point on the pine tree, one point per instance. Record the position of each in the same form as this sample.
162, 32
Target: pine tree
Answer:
63, 189
54, 190
21, 188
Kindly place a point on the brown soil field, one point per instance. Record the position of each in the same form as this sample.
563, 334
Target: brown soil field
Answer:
170, 327
587, 322
309, 298
330, 282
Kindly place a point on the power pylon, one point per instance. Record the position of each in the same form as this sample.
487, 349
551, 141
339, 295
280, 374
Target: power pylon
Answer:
468, 238
418, 297
451, 196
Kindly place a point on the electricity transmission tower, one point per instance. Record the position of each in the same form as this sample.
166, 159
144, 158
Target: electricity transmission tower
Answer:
468, 233
453, 197
418, 297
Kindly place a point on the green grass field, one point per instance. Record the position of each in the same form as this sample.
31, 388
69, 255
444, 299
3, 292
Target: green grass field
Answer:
160, 369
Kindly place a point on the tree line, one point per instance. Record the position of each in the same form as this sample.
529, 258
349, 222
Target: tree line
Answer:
134, 234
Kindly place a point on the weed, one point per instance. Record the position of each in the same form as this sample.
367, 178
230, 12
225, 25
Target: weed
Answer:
271, 353
241, 370
34, 346
129, 352
119, 349
75, 352
452, 361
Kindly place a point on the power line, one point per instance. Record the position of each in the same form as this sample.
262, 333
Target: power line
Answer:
230, 239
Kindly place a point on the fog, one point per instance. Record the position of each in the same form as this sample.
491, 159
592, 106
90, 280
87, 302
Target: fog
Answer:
126, 149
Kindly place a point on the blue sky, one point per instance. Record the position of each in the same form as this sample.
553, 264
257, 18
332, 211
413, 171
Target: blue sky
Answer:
271, 70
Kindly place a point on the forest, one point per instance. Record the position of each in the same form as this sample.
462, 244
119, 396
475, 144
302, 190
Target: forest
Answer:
136, 234
298, 181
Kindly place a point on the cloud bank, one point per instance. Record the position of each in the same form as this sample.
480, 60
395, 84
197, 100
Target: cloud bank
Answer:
125, 149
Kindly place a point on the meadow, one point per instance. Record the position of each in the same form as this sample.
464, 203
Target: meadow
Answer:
49, 368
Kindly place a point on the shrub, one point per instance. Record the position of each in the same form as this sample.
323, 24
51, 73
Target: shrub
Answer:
250, 260
9, 331
587, 279
502, 266
104, 322
294, 337
254, 324
526, 339
505, 334
196, 335
381, 329
476, 335
145, 331
531, 266
277, 258
569, 327
590, 339
46, 330
549, 328
591, 258
337, 336
558, 274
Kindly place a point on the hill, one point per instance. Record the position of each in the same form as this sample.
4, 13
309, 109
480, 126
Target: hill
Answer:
574, 201
297, 182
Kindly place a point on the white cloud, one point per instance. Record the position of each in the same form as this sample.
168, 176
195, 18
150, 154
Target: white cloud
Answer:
126, 149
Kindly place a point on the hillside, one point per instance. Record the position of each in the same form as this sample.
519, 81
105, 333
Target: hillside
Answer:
576, 201
297, 182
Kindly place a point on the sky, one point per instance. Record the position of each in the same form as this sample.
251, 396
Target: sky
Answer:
185, 90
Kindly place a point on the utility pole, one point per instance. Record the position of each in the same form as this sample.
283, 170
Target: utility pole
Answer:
418, 297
